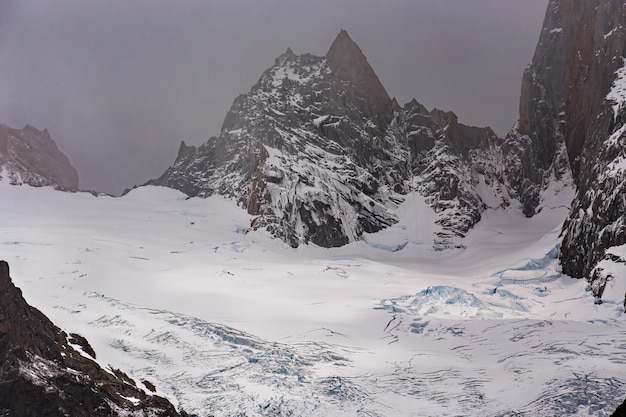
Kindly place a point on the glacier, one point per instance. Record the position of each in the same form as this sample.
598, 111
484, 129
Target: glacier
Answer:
228, 321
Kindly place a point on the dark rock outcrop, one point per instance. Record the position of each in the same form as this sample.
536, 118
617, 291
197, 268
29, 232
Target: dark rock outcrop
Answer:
347, 62
535, 151
318, 152
30, 156
572, 124
621, 411
41, 374
598, 220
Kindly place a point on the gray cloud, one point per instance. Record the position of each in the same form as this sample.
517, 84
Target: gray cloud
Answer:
120, 83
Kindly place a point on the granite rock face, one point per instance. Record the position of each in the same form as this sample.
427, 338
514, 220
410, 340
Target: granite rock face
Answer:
598, 221
42, 374
319, 153
30, 156
572, 126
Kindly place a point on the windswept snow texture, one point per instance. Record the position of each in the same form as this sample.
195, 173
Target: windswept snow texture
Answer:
230, 322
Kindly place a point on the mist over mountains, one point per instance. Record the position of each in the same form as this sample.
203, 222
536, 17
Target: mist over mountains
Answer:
119, 86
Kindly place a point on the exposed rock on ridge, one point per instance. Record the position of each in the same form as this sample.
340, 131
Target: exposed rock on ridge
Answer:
348, 63
318, 152
41, 374
30, 156
458, 168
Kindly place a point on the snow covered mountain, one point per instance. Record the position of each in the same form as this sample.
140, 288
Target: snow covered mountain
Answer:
30, 156
318, 152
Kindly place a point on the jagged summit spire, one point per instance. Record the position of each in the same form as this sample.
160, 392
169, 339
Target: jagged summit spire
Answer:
286, 56
344, 51
348, 62
343, 43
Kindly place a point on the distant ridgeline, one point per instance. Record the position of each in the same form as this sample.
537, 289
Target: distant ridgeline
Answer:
30, 156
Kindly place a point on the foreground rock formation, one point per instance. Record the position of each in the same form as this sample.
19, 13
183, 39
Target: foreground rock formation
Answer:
621, 411
42, 372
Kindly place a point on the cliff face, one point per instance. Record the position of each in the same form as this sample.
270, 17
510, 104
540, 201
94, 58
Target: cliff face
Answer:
597, 221
42, 374
30, 156
572, 121
537, 151
318, 152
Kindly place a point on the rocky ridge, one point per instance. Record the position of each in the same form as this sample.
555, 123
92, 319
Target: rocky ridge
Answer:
44, 371
30, 156
318, 152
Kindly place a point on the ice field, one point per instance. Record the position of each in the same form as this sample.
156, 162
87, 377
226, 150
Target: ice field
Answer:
230, 322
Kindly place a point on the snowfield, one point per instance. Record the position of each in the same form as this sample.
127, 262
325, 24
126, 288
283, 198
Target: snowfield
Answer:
227, 322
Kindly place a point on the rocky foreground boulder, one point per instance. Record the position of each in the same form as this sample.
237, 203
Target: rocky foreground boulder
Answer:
43, 374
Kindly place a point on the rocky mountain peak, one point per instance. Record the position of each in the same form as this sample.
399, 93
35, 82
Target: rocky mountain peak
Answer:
345, 50
395, 105
318, 152
287, 148
185, 149
417, 107
348, 62
444, 118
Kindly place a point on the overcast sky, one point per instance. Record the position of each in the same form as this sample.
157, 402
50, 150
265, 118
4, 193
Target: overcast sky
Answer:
119, 83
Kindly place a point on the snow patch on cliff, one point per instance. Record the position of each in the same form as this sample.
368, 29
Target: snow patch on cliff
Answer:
617, 94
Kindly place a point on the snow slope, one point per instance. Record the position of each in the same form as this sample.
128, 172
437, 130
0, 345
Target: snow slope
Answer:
230, 322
